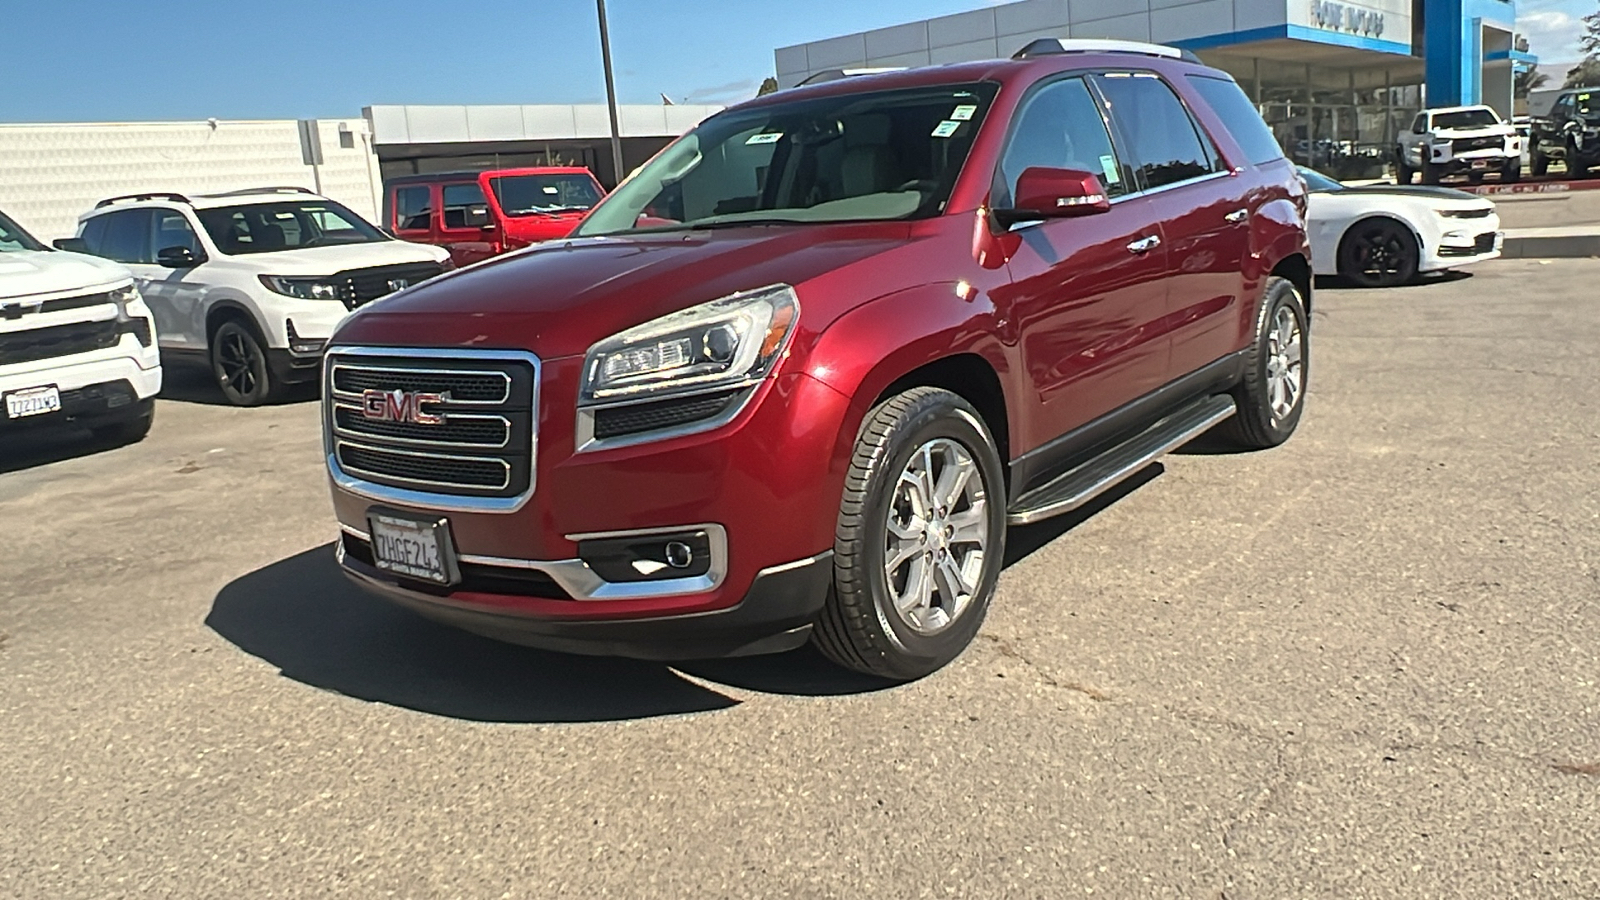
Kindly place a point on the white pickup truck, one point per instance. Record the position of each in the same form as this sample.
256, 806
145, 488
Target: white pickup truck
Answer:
1459, 140
77, 343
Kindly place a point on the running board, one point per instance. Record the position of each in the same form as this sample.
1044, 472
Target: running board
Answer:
1078, 486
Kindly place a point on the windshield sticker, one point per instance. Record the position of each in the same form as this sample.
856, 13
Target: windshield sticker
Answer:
946, 128
770, 137
964, 113
551, 189
1108, 166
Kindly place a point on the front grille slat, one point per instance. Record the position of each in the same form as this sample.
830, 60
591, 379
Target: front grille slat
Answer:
483, 448
617, 421
58, 340
358, 287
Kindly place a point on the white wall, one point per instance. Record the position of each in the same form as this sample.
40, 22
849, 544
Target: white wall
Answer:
51, 174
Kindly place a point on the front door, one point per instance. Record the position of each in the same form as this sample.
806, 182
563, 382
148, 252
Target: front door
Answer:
179, 292
1086, 293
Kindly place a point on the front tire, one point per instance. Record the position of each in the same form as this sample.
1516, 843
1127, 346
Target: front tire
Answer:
1430, 173
1379, 253
239, 364
1512, 173
1271, 395
1402, 172
920, 538
1538, 164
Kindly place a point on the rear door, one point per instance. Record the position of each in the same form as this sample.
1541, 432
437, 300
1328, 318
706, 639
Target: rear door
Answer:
1085, 292
1204, 215
465, 214
411, 212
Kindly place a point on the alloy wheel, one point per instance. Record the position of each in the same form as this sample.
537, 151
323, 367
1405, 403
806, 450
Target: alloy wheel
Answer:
1284, 364
237, 360
936, 536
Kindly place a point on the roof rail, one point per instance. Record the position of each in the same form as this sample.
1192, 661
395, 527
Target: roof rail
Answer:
1058, 46
245, 192
148, 195
836, 74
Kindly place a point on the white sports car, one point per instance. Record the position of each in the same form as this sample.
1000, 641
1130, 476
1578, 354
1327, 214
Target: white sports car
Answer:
1385, 234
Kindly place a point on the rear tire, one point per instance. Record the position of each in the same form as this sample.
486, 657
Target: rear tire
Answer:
128, 431
923, 519
1402, 172
1538, 164
1512, 173
239, 364
1430, 173
1271, 395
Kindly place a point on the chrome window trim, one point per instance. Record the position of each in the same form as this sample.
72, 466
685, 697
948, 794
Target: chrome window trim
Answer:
584, 584
429, 500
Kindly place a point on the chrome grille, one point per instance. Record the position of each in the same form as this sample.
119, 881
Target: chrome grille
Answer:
478, 455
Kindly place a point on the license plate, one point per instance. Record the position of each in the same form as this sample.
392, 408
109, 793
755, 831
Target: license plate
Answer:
413, 547
1480, 164
33, 402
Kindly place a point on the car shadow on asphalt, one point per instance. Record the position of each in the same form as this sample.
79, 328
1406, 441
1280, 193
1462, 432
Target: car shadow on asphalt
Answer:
190, 383
46, 445
1448, 276
302, 616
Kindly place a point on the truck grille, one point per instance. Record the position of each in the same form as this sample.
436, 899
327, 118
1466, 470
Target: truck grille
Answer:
58, 340
483, 446
361, 286
1465, 145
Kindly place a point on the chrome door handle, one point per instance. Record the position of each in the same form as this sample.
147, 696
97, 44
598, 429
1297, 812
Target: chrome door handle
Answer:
1237, 216
1145, 244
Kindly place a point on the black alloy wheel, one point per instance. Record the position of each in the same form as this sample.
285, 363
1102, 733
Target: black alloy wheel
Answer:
1379, 253
240, 365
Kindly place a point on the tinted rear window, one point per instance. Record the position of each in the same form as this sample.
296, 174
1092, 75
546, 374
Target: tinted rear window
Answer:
1240, 117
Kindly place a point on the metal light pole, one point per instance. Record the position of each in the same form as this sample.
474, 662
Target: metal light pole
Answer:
611, 94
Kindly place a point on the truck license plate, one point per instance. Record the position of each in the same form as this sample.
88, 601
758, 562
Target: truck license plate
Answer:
33, 402
413, 547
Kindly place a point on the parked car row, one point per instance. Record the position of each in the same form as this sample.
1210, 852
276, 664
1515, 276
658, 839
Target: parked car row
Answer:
1569, 134
868, 302
1467, 141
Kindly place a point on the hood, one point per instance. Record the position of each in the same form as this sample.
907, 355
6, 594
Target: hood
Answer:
558, 299
1425, 191
1476, 131
24, 273
336, 258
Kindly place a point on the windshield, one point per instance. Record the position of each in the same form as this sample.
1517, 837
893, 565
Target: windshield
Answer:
1464, 118
531, 195
13, 238
1319, 183
286, 225
846, 158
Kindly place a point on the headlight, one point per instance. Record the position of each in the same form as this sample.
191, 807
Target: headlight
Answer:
722, 344
132, 321
1460, 213
303, 288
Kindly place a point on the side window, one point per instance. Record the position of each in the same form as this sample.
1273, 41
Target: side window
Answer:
459, 199
94, 235
1419, 124
1162, 138
172, 230
126, 238
1060, 127
1240, 117
412, 208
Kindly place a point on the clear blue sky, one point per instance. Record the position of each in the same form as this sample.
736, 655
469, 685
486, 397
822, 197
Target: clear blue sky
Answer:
130, 60
126, 60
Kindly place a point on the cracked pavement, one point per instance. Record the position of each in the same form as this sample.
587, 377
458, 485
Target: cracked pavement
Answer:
1362, 665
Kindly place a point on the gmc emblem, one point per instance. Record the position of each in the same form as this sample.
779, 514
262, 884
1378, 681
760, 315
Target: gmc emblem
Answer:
400, 406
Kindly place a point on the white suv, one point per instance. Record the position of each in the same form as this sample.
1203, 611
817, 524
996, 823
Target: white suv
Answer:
76, 341
252, 283
1459, 140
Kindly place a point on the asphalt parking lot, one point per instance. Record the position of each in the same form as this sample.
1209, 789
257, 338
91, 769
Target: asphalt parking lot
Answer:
1366, 664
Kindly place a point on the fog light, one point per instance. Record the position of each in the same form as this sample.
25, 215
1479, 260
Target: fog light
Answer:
652, 557
300, 345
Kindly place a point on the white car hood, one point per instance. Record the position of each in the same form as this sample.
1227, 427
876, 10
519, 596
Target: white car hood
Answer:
26, 273
337, 258
1486, 131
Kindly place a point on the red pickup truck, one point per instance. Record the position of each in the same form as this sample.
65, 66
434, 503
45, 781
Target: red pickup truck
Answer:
476, 215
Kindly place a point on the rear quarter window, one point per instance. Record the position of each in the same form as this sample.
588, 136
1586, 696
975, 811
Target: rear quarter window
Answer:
1240, 117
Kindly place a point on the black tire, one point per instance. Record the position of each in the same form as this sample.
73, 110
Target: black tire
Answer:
1538, 163
128, 431
859, 627
1430, 173
1576, 167
1257, 426
1512, 173
239, 364
1402, 172
1379, 252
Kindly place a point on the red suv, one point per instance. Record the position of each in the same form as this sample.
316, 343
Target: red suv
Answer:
476, 215
795, 379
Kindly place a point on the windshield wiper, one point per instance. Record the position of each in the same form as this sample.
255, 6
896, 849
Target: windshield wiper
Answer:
739, 223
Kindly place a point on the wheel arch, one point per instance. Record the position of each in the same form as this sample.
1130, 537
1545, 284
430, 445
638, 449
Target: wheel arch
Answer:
226, 308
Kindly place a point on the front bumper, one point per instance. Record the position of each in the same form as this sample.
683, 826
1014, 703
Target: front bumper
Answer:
775, 614
137, 366
1472, 246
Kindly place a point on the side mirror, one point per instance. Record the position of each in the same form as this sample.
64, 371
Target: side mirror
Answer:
177, 258
1045, 193
71, 245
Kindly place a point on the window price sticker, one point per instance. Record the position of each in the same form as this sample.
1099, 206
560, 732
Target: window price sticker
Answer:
946, 128
964, 113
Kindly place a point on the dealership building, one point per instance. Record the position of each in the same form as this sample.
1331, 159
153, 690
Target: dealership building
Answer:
1336, 80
